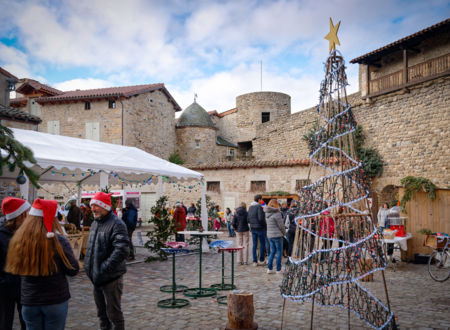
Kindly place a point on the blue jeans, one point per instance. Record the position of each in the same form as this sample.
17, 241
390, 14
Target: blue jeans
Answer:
230, 229
276, 246
261, 236
45, 317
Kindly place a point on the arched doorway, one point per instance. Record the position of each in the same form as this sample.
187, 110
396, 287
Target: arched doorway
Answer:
389, 195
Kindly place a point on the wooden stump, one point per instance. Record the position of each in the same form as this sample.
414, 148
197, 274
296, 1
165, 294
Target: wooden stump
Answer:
240, 310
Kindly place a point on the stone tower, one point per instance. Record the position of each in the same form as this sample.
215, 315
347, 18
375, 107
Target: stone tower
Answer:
196, 135
253, 109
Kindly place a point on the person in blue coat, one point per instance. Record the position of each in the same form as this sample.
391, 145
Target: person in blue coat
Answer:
129, 216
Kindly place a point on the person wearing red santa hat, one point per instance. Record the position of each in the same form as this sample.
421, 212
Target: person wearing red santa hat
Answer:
15, 211
43, 258
106, 251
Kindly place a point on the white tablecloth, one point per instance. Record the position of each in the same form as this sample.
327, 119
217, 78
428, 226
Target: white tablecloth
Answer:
400, 241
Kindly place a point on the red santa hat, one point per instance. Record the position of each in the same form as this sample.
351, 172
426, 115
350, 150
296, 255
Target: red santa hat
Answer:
102, 199
13, 207
47, 210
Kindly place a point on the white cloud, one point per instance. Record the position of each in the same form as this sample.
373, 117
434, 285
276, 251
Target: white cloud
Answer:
88, 83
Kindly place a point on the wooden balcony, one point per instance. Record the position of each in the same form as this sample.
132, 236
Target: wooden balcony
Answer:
409, 76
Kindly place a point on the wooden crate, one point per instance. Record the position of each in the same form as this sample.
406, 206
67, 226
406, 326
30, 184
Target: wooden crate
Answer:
85, 233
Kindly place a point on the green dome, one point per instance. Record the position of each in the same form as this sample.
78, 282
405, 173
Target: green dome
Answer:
195, 115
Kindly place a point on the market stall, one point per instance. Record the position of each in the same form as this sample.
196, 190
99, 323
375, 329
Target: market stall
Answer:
66, 159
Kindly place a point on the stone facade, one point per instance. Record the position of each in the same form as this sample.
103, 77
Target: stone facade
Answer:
19, 124
149, 123
250, 108
197, 145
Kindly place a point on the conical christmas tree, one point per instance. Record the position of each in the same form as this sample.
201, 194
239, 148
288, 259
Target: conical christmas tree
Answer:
336, 243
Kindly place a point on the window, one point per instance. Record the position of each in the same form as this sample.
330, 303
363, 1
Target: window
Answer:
299, 184
230, 152
197, 144
213, 186
257, 186
265, 116
112, 104
87, 105
93, 131
53, 127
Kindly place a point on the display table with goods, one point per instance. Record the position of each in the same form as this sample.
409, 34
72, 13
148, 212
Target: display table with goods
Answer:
200, 291
75, 238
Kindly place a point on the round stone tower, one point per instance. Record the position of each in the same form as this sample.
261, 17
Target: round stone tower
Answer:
256, 108
196, 135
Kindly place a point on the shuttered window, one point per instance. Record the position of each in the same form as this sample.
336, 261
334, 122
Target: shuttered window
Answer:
93, 131
53, 127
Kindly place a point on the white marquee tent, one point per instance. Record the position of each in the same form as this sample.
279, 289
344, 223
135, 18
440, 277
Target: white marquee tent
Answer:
66, 159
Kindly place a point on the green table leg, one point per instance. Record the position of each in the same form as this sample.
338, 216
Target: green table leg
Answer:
223, 285
173, 303
174, 287
200, 292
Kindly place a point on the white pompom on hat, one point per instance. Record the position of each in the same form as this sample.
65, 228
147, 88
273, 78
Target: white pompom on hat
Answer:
102, 199
47, 210
12, 207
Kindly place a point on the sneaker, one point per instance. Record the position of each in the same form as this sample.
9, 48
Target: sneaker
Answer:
270, 271
262, 263
255, 264
279, 272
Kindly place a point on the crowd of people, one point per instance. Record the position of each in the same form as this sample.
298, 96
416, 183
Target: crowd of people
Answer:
36, 258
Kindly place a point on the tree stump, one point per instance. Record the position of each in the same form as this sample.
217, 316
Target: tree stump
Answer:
240, 310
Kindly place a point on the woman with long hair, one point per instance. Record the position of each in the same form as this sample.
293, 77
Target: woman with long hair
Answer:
42, 257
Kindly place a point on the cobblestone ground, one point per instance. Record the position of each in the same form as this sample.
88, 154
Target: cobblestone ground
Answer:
417, 300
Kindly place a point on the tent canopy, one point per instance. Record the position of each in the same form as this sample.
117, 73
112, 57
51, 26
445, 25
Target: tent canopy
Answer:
66, 159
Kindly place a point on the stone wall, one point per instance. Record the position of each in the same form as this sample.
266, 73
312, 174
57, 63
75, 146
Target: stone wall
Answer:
73, 117
235, 183
410, 130
227, 127
19, 124
149, 123
187, 139
251, 106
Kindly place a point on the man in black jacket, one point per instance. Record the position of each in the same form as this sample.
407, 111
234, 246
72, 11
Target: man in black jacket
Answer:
258, 227
129, 216
106, 251
15, 211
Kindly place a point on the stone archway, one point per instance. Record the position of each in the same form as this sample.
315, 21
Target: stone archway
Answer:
388, 195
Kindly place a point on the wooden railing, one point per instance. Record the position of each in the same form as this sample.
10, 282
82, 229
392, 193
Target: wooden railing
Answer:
429, 68
386, 82
416, 73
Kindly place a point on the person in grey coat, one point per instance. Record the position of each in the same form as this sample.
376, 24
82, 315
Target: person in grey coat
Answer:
275, 232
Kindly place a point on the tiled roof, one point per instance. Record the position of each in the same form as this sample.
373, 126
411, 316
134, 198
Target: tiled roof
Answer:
249, 164
18, 102
9, 75
396, 45
195, 115
126, 91
15, 114
224, 142
38, 86
228, 112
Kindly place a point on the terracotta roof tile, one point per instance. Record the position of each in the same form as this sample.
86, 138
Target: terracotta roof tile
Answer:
126, 91
9, 75
15, 114
18, 102
373, 55
249, 164
38, 86
228, 112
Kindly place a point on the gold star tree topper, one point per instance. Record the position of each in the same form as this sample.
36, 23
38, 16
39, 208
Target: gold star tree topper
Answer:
332, 35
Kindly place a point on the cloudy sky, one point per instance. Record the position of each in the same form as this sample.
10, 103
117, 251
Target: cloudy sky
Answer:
212, 48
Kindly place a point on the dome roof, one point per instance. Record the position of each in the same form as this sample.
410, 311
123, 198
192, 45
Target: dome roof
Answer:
195, 115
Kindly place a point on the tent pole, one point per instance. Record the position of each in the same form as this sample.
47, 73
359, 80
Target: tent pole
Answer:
160, 187
204, 215
25, 188
79, 194
103, 180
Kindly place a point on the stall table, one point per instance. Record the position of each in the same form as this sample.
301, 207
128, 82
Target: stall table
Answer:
200, 291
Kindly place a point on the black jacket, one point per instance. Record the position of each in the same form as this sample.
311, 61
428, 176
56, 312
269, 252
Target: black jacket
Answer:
240, 222
53, 289
256, 217
9, 284
291, 214
106, 250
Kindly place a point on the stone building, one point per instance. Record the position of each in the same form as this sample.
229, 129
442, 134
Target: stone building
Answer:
403, 106
141, 116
